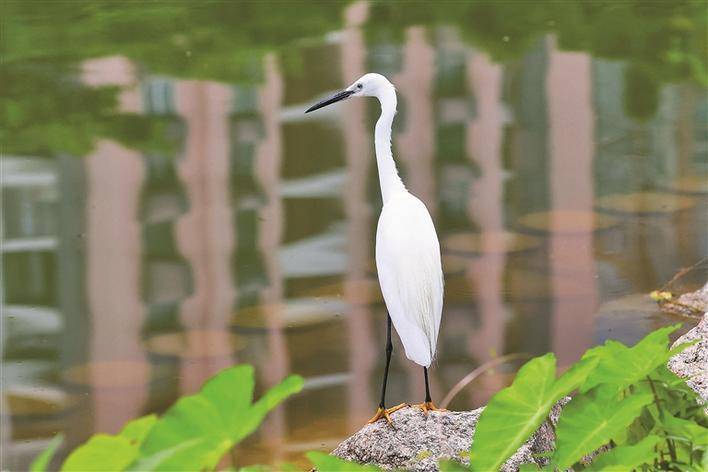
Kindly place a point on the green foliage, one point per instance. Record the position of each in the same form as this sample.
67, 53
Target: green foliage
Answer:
218, 417
626, 398
106, 452
192, 435
42, 461
516, 412
625, 458
325, 462
591, 421
621, 366
102, 452
451, 466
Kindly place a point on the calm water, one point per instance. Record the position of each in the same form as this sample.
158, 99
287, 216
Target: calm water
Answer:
168, 210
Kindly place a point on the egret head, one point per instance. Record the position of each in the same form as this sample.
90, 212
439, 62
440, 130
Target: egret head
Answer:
368, 85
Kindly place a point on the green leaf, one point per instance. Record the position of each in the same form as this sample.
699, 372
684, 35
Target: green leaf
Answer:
288, 467
621, 366
100, 453
135, 431
514, 413
255, 468
220, 415
693, 432
42, 461
590, 421
528, 467
326, 463
163, 459
451, 466
626, 458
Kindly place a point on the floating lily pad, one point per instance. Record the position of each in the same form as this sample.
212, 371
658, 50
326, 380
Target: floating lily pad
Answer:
691, 184
110, 374
297, 313
497, 242
566, 222
195, 344
644, 203
529, 284
37, 402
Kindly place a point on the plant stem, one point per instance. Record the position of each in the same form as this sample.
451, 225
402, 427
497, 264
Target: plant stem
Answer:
669, 442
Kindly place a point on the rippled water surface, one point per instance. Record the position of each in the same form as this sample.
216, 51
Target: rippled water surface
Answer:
168, 209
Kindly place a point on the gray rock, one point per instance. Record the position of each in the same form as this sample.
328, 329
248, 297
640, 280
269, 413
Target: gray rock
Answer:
692, 363
417, 442
691, 304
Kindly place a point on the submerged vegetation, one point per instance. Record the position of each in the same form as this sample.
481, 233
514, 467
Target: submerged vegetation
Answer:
626, 399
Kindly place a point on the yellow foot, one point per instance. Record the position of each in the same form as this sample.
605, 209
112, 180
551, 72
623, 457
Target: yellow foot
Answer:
384, 413
428, 406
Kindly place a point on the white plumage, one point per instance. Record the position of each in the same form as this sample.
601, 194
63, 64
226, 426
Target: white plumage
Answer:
410, 274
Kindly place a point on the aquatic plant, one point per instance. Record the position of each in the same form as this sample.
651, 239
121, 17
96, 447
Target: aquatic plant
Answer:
629, 407
192, 435
626, 398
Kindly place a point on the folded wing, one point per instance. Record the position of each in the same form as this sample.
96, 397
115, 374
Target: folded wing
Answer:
410, 274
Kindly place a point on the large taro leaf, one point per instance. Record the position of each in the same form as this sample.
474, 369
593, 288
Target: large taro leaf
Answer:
212, 421
590, 421
101, 452
625, 458
179, 454
514, 413
106, 452
622, 366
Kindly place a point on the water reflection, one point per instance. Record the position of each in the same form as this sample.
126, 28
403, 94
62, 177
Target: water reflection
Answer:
207, 221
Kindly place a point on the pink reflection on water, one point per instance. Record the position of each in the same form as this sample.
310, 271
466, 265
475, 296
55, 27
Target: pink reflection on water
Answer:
571, 136
359, 158
486, 208
205, 234
268, 155
114, 176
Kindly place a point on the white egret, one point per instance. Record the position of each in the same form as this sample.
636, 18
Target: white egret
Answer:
407, 248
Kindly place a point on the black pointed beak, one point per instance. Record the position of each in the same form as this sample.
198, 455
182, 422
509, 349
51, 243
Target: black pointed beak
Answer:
337, 97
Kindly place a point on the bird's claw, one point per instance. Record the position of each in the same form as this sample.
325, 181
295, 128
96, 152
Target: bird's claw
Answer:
428, 406
385, 413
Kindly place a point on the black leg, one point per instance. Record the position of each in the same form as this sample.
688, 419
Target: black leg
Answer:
427, 387
389, 350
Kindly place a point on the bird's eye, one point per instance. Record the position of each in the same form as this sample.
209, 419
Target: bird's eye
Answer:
359, 86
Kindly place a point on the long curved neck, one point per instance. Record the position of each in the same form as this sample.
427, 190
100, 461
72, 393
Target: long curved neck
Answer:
388, 175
